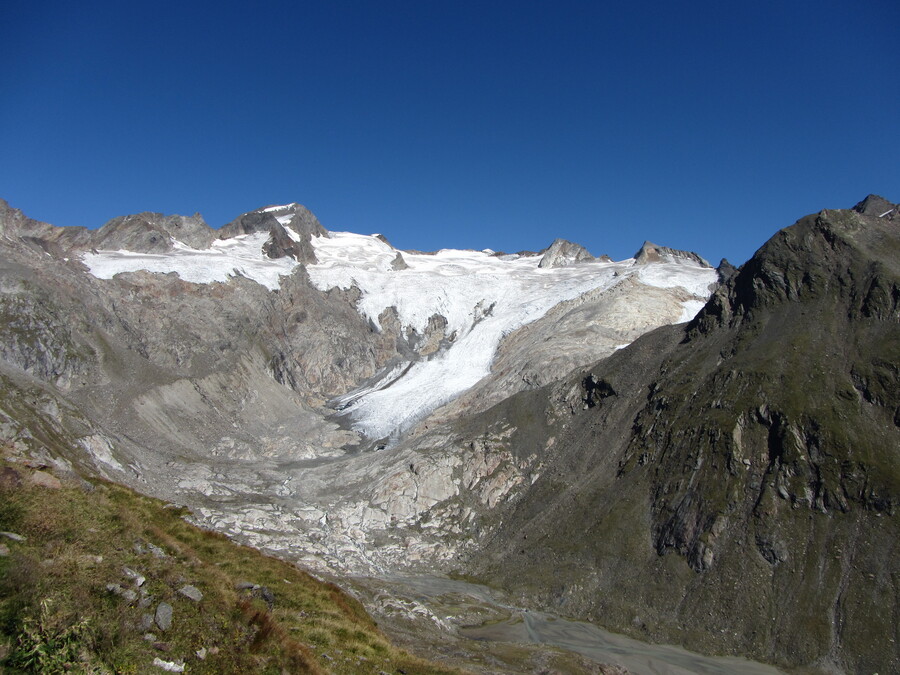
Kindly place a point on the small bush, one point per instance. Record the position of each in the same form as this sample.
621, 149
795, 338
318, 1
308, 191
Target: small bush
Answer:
51, 644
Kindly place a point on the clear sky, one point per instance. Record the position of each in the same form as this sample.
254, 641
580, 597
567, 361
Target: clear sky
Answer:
699, 125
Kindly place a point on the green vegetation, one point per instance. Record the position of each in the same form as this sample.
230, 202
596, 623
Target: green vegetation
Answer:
90, 564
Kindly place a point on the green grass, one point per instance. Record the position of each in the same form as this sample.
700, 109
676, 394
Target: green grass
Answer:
56, 614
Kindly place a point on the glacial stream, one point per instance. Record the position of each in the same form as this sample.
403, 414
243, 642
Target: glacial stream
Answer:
441, 595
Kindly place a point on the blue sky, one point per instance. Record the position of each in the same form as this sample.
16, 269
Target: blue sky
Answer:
699, 125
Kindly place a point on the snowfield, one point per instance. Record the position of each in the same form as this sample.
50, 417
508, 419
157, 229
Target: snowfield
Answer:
482, 296
226, 258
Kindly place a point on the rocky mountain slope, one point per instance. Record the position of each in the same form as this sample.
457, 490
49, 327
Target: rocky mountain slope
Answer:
329, 398
731, 484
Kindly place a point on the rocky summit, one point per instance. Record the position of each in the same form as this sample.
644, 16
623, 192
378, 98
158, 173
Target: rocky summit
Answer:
690, 455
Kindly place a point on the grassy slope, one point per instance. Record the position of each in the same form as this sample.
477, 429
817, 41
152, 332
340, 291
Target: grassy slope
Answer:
56, 613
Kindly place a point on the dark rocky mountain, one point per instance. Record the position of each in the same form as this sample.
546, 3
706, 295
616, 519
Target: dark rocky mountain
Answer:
272, 220
732, 484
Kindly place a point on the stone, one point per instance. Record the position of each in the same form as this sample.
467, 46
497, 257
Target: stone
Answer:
13, 536
163, 616
191, 592
170, 666
45, 480
201, 653
142, 548
265, 594
4, 550
146, 599
147, 623
157, 551
124, 593
139, 579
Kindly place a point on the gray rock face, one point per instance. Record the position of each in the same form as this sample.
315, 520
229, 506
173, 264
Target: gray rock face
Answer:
563, 253
125, 593
274, 220
42, 236
152, 233
398, 263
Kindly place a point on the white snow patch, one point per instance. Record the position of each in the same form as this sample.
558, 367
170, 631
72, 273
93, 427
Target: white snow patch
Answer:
226, 258
279, 208
695, 279
690, 309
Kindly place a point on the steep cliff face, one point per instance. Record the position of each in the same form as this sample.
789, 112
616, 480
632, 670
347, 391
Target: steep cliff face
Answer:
733, 484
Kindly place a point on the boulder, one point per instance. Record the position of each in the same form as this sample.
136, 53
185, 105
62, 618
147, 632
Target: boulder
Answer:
163, 616
44, 479
191, 592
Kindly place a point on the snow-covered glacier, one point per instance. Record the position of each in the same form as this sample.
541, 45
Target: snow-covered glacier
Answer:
483, 297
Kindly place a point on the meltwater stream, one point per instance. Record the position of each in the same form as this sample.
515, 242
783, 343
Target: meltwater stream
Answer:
525, 626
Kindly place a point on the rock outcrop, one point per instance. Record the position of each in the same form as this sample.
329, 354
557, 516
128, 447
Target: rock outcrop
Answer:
651, 253
152, 233
563, 253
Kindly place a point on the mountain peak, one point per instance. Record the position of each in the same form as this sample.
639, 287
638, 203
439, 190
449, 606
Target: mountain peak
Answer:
874, 205
301, 220
651, 253
152, 232
563, 253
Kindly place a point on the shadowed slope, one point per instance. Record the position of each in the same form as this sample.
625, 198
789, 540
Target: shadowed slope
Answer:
733, 485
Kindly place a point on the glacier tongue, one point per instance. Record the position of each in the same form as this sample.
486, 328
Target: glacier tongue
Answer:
483, 297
